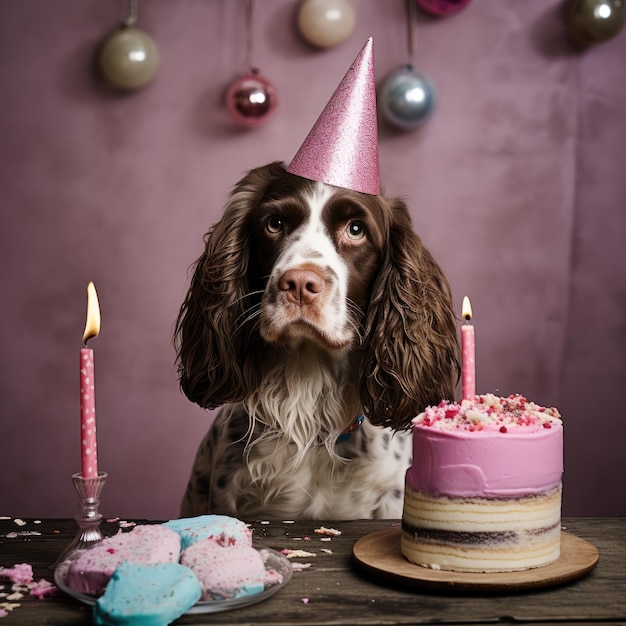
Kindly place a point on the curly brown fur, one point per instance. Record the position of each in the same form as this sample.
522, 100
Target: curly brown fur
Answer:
411, 356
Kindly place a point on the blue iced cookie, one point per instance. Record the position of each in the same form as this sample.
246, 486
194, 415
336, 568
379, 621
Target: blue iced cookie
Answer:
225, 530
151, 594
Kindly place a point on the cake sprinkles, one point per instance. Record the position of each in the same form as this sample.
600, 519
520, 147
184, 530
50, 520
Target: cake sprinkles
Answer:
489, 412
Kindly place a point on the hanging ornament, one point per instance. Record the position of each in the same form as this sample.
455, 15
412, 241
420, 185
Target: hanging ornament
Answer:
595, 21
250, 98
407, 97
443, 8
325, 23
129, 58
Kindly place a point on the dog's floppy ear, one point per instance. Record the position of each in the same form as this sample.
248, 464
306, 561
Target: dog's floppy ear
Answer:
411, 347
218, 362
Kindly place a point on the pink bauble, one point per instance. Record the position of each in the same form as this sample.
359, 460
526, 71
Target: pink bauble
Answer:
325, 23
442, 8
251, 99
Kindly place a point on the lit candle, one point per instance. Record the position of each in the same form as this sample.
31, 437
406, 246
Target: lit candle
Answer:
88, 445
468, 354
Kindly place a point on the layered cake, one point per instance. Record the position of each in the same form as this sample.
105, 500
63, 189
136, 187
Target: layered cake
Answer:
484, 491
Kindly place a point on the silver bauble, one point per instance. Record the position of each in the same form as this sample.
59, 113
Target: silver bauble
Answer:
407, 98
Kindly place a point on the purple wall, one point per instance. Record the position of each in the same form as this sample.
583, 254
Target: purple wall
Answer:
516, 184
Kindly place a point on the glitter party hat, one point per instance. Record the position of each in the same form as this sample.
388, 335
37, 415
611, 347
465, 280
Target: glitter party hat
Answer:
342, 147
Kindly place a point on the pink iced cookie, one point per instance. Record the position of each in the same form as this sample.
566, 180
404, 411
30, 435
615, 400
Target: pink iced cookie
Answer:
227, 572
91, 571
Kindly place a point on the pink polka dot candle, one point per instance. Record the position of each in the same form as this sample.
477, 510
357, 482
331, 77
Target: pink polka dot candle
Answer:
88, 443
468, 353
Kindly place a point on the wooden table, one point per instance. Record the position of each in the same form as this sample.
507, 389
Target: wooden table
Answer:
335, 590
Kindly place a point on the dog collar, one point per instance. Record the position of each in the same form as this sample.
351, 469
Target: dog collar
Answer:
346, 434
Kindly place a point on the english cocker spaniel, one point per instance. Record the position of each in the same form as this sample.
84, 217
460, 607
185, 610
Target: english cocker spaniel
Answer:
321, 322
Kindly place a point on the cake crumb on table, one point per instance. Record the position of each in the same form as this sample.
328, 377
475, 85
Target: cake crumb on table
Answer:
22, 533
43, 589
125, 524
21, 573
15, 596
296, 566
290, 554
332, 532
8, 606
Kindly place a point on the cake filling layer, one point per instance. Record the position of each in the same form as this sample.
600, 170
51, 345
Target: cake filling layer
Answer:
480, 558
434, 535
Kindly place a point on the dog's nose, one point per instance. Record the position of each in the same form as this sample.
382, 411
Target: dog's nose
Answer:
301, 286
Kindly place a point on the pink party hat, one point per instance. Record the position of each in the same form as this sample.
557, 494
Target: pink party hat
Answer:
342, 147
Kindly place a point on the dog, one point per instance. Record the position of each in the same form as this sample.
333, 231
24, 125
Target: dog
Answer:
321, 322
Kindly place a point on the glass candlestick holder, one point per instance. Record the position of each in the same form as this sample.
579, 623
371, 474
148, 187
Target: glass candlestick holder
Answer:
89, 518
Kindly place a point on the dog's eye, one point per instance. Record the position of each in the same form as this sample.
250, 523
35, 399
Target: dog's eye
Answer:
275, 224
355, 231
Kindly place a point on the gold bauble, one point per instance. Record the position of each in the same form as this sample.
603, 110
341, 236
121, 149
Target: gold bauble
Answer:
595, 21
129, 58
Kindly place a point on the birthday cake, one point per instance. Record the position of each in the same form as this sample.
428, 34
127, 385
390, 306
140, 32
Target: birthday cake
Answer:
484, 491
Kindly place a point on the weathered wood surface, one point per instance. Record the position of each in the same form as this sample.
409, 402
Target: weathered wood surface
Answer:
335, 590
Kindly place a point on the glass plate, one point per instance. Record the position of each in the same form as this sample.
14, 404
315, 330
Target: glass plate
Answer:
272, 559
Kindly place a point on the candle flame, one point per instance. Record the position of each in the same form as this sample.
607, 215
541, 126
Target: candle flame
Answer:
92, 326
466, 310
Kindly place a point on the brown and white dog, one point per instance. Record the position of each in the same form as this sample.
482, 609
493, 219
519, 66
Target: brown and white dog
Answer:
311, 306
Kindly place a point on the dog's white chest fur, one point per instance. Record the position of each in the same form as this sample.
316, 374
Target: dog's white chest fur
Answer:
368, 484
277, 454
294, 462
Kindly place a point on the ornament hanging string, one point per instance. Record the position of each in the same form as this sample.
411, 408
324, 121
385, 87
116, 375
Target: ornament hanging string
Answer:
407, 97
251, 98
249, 10
411, 19
133, 13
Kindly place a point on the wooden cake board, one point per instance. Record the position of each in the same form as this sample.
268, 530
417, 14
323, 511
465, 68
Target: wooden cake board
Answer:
379, 552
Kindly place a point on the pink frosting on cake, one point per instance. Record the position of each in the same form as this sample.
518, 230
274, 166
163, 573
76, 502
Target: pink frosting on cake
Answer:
486, 448
91, 570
